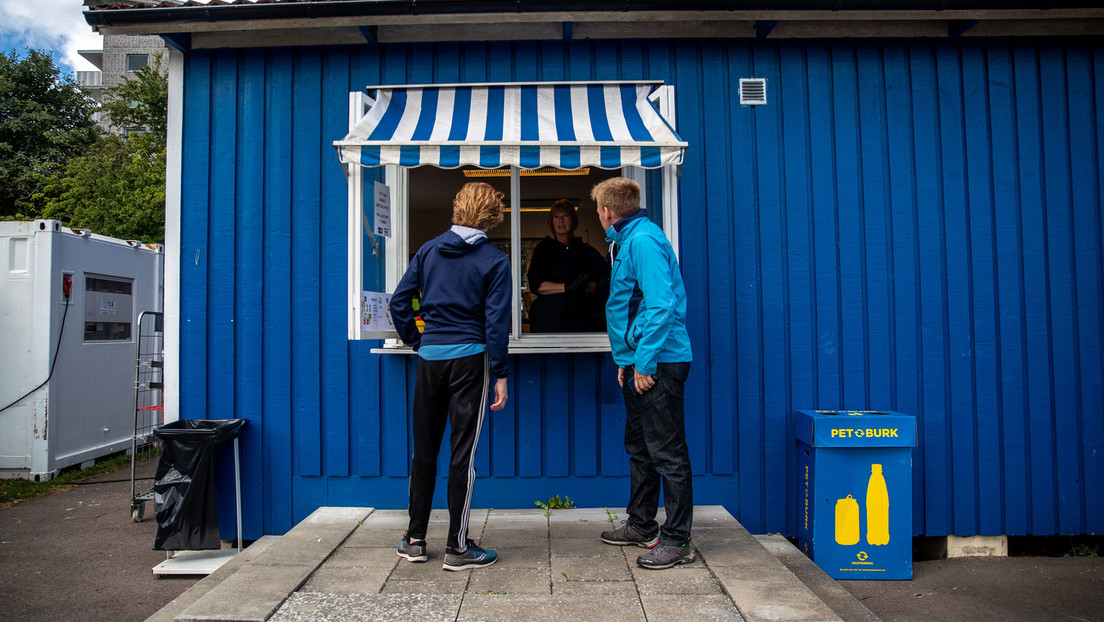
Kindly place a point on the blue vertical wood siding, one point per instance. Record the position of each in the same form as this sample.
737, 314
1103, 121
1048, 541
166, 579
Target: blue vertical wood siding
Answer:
907, 225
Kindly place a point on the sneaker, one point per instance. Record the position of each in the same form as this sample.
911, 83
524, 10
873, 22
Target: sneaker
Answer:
412, 550
472, 557
625, 534
666, 556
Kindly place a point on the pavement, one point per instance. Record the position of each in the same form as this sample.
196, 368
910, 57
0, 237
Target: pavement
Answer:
78, 555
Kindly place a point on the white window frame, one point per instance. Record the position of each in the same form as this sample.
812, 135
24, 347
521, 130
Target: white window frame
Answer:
397, 248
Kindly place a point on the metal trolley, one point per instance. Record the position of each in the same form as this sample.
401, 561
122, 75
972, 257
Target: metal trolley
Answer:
149, 408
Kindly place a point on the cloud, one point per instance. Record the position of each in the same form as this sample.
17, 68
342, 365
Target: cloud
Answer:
56, 25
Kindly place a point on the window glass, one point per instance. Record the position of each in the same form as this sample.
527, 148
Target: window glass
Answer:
565, 258
134, 62
108, 305
421, 209
430, 205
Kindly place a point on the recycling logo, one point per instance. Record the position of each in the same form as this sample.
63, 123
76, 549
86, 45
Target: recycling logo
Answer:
862, 556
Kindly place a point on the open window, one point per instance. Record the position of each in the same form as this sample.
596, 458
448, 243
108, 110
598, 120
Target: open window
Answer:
537, 144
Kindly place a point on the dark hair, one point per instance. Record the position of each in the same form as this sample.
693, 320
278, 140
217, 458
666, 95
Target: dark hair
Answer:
563, 205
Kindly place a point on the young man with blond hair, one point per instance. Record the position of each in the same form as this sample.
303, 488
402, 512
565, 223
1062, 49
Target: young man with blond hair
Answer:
646, 323
465, 289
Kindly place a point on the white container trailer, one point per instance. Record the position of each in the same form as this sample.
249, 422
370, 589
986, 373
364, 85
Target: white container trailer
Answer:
69, 306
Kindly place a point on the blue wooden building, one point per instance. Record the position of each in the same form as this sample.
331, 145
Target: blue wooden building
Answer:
874, 210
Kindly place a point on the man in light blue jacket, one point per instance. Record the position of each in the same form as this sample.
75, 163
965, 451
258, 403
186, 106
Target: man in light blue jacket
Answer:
646, 323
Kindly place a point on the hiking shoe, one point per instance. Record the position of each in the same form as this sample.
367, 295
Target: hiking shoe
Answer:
472, 557
665, 556
411, 550
625, 534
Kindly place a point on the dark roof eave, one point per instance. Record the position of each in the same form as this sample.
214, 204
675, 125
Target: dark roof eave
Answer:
156, 15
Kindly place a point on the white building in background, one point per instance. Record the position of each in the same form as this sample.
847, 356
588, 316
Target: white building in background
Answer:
121, 56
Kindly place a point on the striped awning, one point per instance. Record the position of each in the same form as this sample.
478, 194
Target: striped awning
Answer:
563, 125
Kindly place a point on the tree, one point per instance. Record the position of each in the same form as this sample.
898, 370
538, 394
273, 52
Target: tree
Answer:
45, 120
141, 101
117, 187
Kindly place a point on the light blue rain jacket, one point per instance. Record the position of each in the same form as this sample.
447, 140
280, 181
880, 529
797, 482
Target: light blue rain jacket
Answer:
646, 309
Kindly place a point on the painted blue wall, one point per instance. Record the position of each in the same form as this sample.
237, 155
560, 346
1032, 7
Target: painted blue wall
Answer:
907, 225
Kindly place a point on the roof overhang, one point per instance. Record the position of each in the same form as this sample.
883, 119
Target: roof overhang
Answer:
384, 21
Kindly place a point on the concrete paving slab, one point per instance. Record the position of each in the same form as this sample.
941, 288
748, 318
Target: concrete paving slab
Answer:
494, 579
323, 607
426, 586
535, 578
346, 557
315, 538
578, 530
595, 588
413, 571
775, 596
522, 557
169, 612
706, 516
828, 590
717, 608
347, 580
387, 538
589, 546
517, 519
593, 515
589, 569
251, 594
734, 547
382, 519
497, 538
510, 608
688, 579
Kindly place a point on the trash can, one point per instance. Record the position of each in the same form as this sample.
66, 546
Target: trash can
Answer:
184, 484
855, 492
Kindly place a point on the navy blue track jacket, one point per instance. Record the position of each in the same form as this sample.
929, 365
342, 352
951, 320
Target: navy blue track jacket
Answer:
465, 297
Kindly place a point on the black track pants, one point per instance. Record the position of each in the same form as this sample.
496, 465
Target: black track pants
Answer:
453, 391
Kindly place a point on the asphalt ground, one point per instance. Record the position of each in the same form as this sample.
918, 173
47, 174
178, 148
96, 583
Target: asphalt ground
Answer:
77, 555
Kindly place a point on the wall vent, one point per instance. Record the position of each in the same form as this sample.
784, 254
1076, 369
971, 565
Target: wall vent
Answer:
753, 91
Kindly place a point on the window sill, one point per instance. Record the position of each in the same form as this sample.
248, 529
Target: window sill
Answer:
530, 344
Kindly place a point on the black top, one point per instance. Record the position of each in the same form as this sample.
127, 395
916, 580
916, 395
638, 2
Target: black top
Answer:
575, 265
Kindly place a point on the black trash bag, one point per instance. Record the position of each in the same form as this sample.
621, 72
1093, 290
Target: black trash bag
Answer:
184, 486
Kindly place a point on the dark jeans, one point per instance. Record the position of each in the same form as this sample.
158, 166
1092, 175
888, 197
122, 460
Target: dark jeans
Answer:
655, 438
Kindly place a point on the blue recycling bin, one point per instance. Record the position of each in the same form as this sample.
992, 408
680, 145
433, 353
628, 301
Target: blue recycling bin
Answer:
855, 492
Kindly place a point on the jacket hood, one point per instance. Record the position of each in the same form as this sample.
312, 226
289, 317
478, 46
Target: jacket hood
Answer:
452, 245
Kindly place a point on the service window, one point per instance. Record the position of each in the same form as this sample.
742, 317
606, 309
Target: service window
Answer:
401, 192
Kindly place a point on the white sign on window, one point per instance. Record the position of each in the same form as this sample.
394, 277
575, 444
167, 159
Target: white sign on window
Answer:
382, 210
375, 315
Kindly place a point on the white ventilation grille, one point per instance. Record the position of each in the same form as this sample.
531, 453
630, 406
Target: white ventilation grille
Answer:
753, 91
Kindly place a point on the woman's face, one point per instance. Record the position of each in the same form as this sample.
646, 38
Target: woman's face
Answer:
561, 223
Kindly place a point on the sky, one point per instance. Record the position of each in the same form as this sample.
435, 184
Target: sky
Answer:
57, 26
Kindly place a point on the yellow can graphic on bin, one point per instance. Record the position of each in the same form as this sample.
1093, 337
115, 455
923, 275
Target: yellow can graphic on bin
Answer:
847, 521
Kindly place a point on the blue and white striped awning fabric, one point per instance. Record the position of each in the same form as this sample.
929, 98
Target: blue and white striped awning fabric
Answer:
530, 125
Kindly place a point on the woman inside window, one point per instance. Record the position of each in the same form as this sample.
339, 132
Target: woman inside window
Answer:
570, 278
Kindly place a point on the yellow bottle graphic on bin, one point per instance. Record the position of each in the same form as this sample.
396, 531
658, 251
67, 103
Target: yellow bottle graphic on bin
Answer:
877, 508
847, 521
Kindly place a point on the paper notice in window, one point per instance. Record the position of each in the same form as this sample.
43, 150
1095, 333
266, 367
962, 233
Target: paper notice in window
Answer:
375, 316
382, 225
